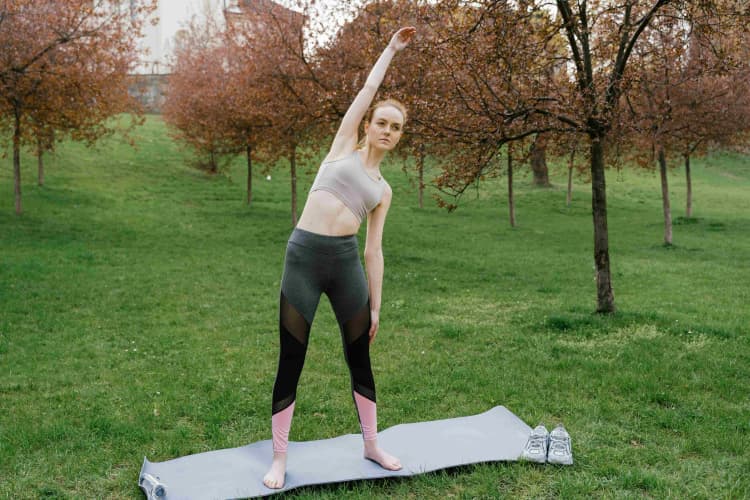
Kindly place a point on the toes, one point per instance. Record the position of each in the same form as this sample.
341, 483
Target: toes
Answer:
385, 460
272, 482
391, 463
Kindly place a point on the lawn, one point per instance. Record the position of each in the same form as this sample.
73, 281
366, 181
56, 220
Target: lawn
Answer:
138, 316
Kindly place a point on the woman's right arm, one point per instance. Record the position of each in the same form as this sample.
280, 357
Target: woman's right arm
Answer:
346, 138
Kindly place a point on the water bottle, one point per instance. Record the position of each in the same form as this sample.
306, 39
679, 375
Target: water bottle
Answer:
152, 486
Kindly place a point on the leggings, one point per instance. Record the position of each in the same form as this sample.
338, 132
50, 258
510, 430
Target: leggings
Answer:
316, 264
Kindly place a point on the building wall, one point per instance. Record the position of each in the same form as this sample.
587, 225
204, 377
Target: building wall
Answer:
150, 90
157, 44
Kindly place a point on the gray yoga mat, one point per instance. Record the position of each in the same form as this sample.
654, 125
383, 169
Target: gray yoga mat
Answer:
491, 436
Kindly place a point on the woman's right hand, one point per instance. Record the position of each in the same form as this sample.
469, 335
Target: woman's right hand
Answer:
402, 38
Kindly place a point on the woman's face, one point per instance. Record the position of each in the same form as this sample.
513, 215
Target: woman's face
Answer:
385, 129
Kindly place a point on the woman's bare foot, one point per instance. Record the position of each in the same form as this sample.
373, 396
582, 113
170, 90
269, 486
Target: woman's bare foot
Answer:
376, 454
274, 478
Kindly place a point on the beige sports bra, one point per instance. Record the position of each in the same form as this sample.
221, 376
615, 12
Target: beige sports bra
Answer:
347, 179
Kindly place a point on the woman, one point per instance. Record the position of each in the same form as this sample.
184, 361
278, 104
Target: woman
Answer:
322, 256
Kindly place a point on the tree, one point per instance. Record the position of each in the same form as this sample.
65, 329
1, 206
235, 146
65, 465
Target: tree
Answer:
511, 202
63, 68
218, 100
680, 95
288, 77
498, 59
197, 102
715, 107
247, 119
538, 161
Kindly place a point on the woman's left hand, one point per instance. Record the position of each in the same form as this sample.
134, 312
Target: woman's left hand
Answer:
374, 324
402, 38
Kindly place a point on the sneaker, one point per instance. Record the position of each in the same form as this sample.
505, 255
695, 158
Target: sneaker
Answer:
535, 449
560, 452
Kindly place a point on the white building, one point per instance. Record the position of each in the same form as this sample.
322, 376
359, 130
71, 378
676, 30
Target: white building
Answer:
150, 79
157, 44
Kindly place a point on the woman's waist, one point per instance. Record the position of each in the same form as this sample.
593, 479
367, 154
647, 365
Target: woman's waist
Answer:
325, 214
324, 243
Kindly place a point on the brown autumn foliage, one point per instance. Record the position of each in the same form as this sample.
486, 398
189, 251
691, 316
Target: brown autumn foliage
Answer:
688, 94
480, 55
715, 107
416, 78
254, 88
480, 76
511, 80
286, 84
196, 102
63, 70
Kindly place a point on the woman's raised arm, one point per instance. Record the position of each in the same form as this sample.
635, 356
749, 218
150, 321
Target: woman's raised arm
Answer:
346, 137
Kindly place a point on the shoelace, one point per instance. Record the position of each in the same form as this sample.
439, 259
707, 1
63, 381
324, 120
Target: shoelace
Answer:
559, 446
536, 443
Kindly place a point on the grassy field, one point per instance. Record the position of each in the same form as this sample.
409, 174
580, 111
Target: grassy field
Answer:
138, 316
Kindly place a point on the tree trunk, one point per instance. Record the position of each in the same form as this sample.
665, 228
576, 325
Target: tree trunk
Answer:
569, 197
212, 167
539, 161
293, 170
511, 203
40, 163
17, 159
665, 197
249, 174
605, 296
420, 171
689, 211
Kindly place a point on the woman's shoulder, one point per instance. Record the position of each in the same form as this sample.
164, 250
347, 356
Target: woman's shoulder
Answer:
387, 191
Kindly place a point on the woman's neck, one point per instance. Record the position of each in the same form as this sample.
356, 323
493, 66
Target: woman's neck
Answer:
372, 157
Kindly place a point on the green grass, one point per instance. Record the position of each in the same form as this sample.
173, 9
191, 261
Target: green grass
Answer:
138, 316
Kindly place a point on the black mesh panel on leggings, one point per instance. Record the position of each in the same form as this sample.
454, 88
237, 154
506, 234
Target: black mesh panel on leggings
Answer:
294, 331
354, 333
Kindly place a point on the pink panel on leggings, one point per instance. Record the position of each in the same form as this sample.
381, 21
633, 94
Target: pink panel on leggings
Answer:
280, 424
368, 416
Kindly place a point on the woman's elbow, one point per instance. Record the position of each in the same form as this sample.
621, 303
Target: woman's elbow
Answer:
373, 253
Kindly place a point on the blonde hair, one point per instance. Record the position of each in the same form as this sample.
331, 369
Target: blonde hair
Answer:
381, 104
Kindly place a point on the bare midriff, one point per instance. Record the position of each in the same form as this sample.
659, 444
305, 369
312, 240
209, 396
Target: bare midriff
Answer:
326, 214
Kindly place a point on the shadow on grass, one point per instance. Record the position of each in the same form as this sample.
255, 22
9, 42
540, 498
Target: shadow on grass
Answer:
704, 224
587, 325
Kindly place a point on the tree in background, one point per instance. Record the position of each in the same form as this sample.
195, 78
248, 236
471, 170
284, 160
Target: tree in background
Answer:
683, 95
249, 88
247, 96
481, 75
198, 96
63, 68
276, 40
489, 59
217, 100
499, 60
538, 161
716, 114
661, 58
715, 106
